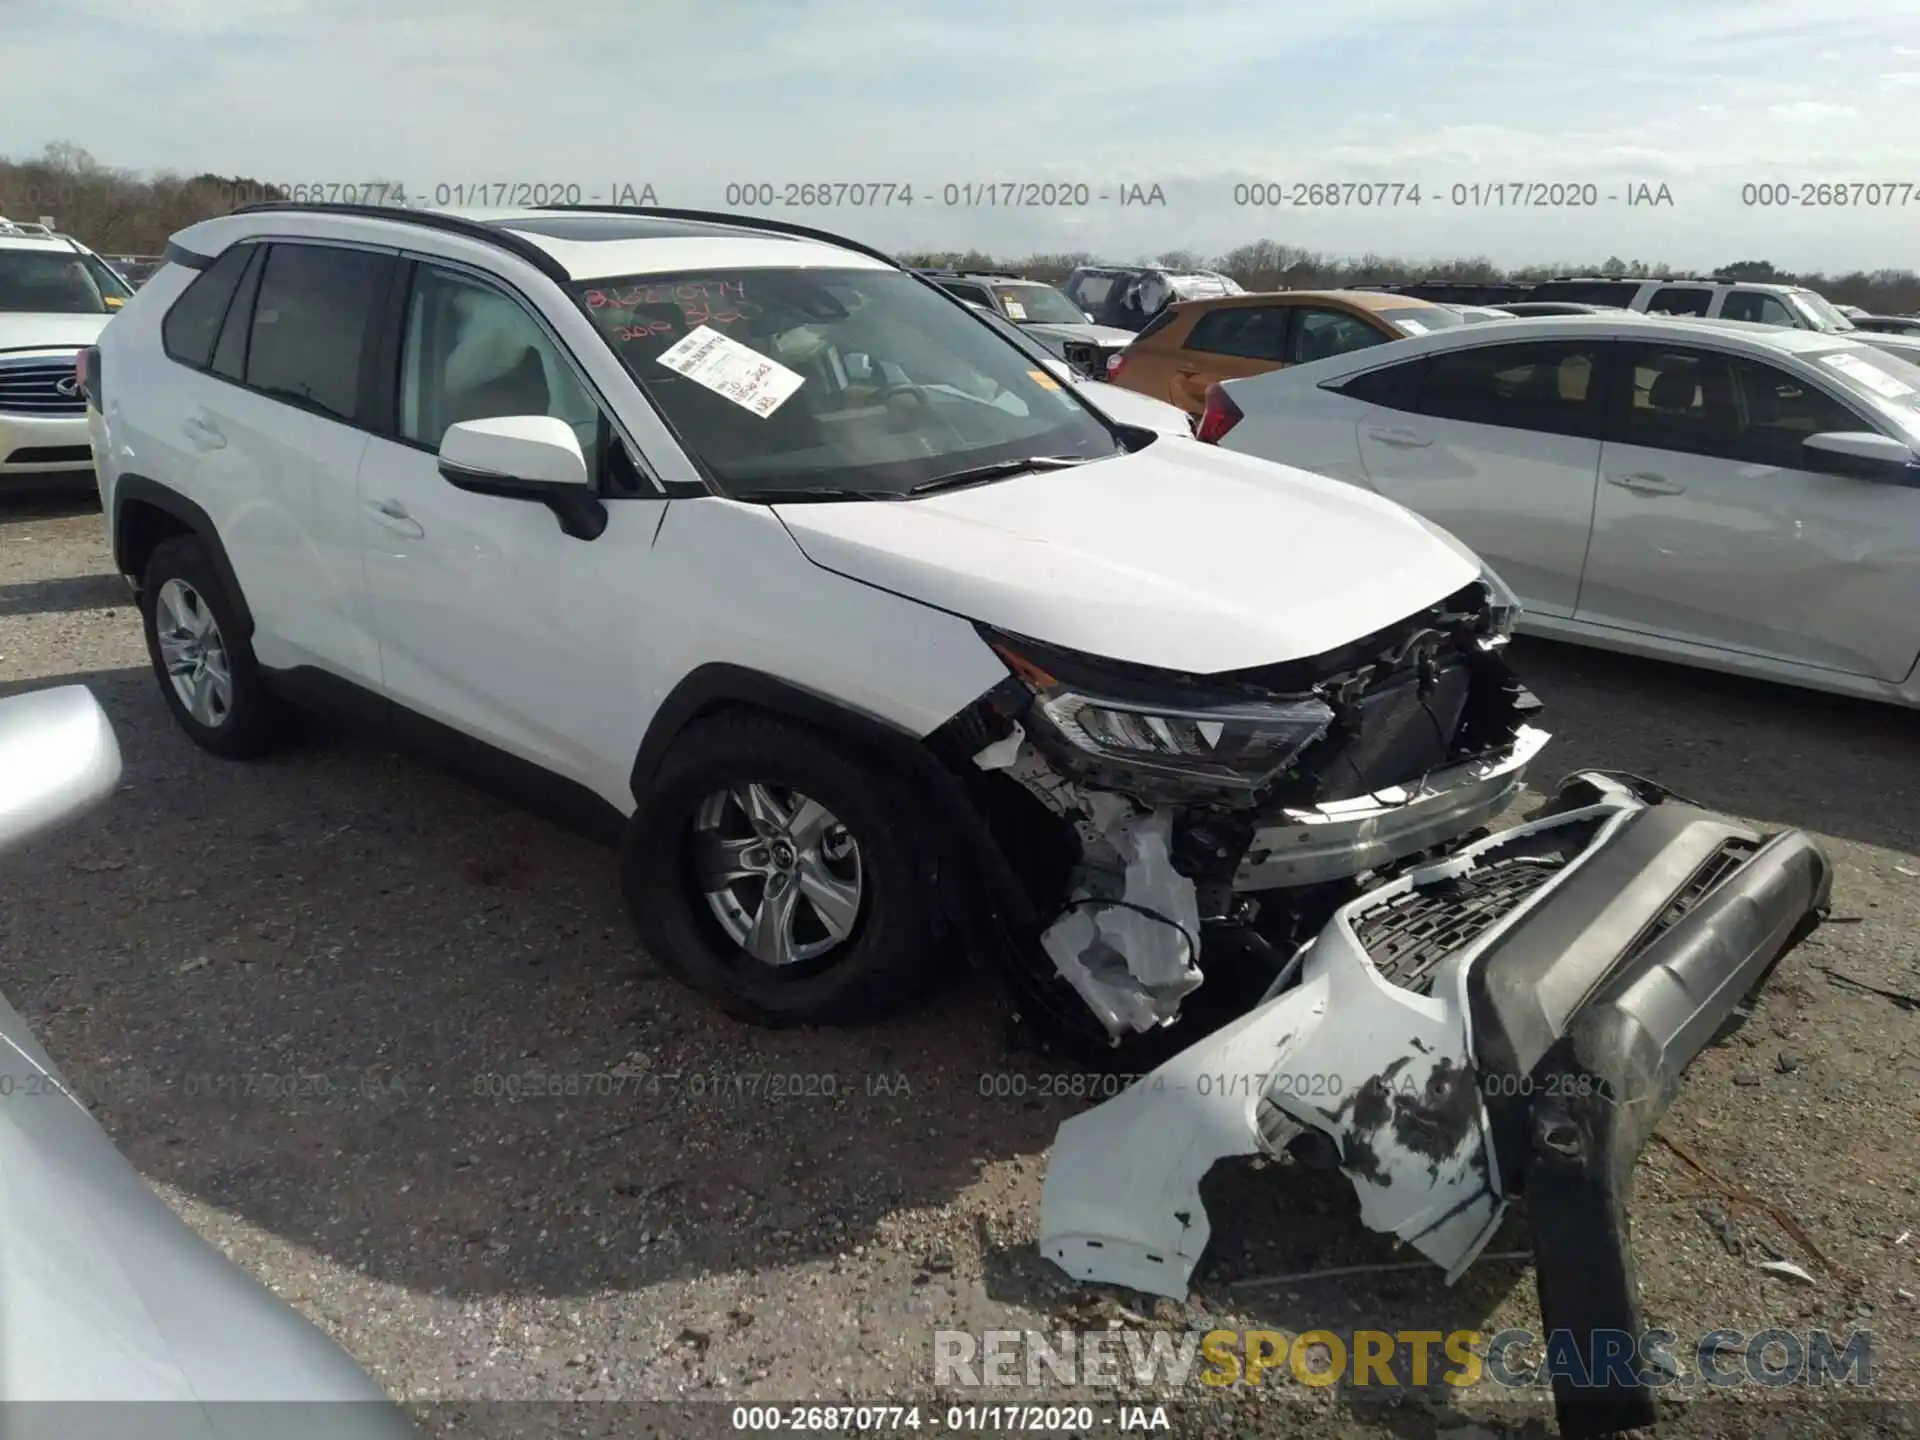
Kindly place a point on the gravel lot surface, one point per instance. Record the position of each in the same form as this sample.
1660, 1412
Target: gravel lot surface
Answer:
297, 990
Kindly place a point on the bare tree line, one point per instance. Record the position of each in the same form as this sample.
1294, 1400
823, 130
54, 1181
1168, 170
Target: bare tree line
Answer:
118, 212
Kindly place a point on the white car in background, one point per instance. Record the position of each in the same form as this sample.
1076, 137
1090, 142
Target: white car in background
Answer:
56, 296
1737, 496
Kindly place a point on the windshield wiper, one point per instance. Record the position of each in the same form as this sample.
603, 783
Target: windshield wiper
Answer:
799, 493
995, 470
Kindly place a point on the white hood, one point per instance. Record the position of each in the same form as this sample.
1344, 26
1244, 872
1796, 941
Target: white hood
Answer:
1180, 556
51, 332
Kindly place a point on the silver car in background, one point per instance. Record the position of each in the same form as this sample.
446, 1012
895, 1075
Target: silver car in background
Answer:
1737, 496
116, 1319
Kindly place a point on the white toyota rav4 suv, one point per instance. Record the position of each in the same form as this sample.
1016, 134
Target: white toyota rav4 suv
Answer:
867, 632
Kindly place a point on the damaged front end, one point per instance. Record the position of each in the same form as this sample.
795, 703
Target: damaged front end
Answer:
1512, 1019
1149, 814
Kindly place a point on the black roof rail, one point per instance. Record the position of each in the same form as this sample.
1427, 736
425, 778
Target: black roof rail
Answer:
721, 217
513, 244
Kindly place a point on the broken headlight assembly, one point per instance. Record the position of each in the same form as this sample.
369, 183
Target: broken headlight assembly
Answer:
1162, 723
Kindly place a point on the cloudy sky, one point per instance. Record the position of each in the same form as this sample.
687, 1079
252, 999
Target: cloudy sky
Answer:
690, 96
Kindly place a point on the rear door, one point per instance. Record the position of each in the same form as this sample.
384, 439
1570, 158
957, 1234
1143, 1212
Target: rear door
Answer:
1228, 342
1499, 444
1715, 526
276, 427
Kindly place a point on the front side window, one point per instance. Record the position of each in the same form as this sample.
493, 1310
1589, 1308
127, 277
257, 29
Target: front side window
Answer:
1091, 290
1318, 334
48, 282
973, 294
1682, 400
314, 325
1248, 332
471, 352
1781, 410
1545, 385
828, 383
1757, 307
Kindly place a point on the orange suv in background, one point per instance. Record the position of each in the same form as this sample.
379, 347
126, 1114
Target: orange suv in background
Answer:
1191, 345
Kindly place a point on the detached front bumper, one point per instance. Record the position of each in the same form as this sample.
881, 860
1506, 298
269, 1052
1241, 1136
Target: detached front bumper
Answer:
1512, 1019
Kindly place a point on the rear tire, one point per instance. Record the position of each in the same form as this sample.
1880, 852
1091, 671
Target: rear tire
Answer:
206, 667
782, 874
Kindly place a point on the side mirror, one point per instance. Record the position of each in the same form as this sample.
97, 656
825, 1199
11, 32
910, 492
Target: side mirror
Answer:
525, 457
1863, 453
58, 759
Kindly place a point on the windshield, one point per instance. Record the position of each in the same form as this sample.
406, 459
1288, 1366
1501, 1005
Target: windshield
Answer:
799, 383
1419, 319
48, 282
1816, 309
1037, 305
1889, 383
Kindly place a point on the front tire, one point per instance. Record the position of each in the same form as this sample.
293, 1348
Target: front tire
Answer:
781, 874
205, 665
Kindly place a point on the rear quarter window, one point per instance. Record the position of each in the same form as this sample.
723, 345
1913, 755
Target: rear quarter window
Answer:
192, 325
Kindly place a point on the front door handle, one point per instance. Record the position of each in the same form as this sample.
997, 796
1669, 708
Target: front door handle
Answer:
1401, 439
202, 434
1644, 484
393, 515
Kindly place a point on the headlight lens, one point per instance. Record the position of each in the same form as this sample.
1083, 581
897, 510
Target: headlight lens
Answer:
1240, 745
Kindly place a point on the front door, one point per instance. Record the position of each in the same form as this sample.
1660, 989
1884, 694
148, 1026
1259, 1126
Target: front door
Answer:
490, 619
1715, 526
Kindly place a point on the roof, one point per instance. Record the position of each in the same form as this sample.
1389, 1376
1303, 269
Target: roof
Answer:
1358, 299
567, 243
34, 242
1631, 325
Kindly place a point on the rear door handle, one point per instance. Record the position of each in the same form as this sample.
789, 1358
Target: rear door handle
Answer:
393, 515
1643, 484
1401, 439
207, 437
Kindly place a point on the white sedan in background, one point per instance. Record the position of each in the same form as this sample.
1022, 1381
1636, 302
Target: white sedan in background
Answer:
1741, 497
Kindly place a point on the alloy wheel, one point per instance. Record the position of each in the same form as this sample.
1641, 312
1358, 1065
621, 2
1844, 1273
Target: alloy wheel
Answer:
779, 870
193, 653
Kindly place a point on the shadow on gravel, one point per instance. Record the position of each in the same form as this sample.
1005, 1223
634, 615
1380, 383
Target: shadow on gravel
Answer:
382, 1015
1772, 753
71, 592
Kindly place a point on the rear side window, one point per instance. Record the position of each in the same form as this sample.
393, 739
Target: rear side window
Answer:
314, 326
230, 354
1249, 332
193, 323
1545, 386
1389, 386
1680, 300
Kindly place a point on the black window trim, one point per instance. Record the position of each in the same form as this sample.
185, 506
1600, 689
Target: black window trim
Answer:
393, 350
249, 290
1618, 395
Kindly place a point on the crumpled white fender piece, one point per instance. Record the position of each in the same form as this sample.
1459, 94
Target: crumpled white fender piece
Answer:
1387, 1073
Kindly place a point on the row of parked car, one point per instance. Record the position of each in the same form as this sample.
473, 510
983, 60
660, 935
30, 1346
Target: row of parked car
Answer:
1711, 470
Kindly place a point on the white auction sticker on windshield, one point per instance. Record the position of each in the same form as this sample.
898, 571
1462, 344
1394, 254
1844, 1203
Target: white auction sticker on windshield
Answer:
1869, 375
1015, 310
738, 372
1413, 327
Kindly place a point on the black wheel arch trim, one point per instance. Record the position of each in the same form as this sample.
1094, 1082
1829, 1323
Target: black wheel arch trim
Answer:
129, 489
